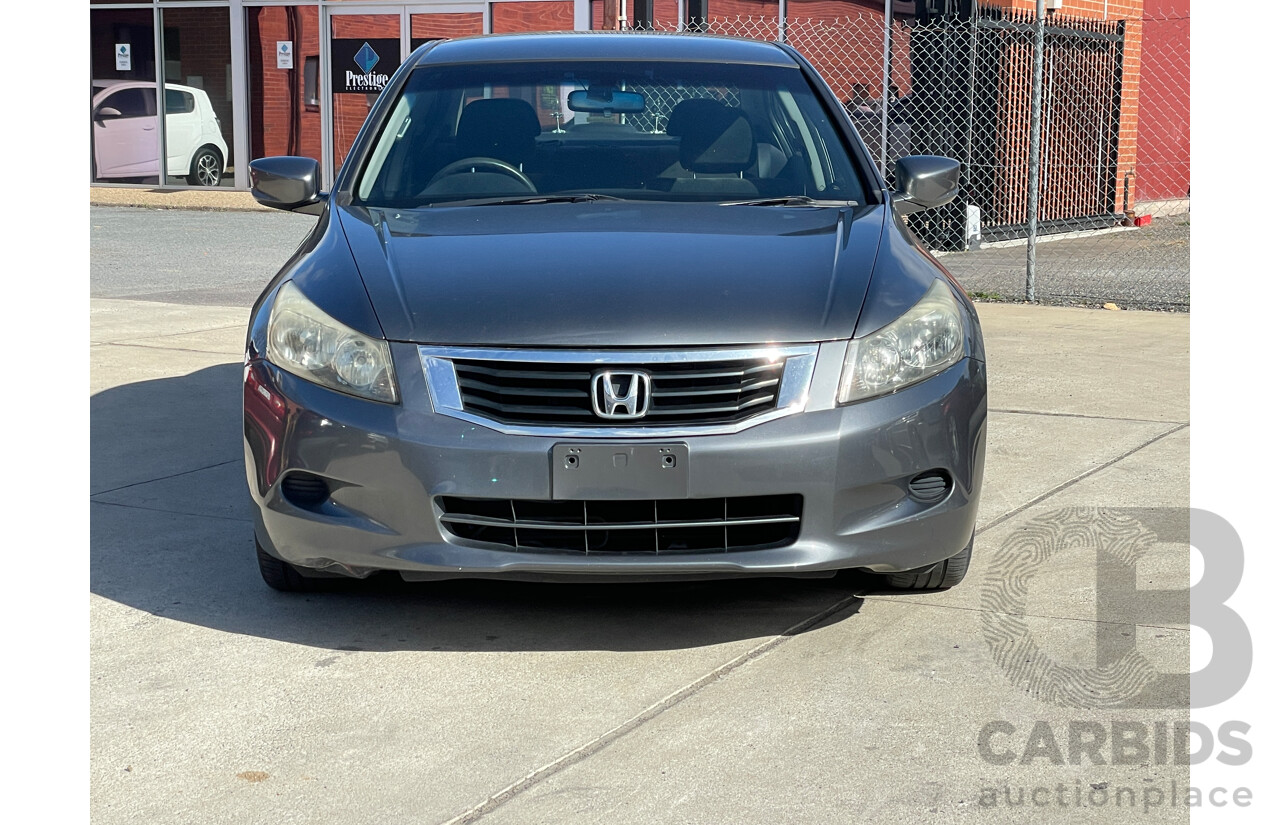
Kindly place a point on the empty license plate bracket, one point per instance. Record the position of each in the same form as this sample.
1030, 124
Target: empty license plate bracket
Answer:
607, 472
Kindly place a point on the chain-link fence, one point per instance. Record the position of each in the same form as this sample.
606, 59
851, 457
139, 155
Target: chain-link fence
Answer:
1112, 171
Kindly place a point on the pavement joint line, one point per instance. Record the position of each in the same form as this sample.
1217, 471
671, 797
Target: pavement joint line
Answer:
897, 600
170, 334
169, 349
172, 512
607, 738
1076, 480
1093, 417
163, 478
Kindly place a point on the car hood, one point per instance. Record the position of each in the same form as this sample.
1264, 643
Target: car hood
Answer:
607, 273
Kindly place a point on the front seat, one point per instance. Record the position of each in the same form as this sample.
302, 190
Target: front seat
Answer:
716, 147
498, 127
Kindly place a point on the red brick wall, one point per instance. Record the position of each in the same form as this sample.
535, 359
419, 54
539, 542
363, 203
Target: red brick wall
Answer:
280, 122
744, 18
742, 8
544, 16
1164, 102
843, 40
666, 15
434, 26
1131, 12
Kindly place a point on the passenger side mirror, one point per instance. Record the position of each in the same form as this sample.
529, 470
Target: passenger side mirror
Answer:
107, 113
925, 182
289, 183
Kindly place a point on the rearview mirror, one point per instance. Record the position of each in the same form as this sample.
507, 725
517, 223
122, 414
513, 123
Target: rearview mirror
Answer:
289, 183
925, 182
605, 101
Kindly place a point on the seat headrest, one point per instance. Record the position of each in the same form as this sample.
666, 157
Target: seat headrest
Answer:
714, 139
499, 127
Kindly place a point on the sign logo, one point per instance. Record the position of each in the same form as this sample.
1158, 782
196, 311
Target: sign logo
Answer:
1121, 676
366, 58
620, 394
362, 65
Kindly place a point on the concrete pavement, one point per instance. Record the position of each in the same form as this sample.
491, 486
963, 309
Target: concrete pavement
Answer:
215, 699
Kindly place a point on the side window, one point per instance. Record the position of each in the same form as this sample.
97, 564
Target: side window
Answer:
178, 103
311, 82
133, 102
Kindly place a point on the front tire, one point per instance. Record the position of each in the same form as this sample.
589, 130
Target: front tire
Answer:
940, 576
206, 168
280, 575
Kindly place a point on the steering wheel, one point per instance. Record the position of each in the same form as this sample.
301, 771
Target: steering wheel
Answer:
477, 163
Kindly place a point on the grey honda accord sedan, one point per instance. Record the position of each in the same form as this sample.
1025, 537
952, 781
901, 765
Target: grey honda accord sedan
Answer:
602, 307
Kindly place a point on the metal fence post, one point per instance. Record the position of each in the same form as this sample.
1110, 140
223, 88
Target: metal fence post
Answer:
1033, 161
884, 89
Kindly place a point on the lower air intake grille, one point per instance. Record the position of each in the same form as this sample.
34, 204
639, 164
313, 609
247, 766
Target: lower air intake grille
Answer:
700, 525
304, 489
931, 486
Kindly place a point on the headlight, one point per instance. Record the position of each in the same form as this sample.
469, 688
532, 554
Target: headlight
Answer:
926, 340
304, 340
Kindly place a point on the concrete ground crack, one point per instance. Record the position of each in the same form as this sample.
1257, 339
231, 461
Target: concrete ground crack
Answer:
653, 711
1076, 480
1085, 416
172, 512
163, 478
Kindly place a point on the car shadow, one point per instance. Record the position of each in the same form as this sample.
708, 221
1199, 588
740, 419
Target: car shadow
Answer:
172, 535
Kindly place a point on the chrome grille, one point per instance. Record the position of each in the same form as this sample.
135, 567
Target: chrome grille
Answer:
651, 527
550, 391
707, 393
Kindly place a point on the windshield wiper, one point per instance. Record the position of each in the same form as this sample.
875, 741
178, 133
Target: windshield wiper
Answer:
789, 200
529, 199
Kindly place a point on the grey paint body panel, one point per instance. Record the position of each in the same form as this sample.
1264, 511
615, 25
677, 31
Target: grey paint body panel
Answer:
850, 463
615, 274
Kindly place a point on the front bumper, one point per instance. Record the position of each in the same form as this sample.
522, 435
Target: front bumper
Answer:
387, 465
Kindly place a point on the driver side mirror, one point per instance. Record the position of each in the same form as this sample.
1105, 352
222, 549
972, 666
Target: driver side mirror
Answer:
289, 183
106, 113
925, 182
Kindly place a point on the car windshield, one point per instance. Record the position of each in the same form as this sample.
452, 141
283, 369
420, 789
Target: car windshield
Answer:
547, 131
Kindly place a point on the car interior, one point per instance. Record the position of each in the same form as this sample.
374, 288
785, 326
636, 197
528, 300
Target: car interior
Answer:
660, 142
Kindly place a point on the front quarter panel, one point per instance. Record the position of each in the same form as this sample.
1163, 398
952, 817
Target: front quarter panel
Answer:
325, 271
904, 272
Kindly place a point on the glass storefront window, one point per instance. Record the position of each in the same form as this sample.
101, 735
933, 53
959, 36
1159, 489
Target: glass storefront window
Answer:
166, 84
124, 141
284, 81
365, 52
198, 92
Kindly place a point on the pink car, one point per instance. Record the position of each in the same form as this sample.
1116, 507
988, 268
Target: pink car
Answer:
125, 138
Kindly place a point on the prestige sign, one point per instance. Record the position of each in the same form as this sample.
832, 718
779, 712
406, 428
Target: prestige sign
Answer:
363, 66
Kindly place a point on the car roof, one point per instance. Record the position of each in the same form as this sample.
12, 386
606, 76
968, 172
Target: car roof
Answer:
502, 48
103, 85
